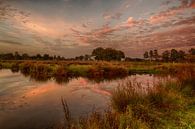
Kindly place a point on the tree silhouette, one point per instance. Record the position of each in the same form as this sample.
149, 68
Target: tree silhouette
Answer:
17, 56
107, 54
166, 56
192, 51
151, 54
181, 55
146, 55
46, 57
25, 56
156, 55
38, 57
174, 55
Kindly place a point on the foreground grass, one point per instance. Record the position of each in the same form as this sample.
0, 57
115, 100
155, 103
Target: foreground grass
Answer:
169, 105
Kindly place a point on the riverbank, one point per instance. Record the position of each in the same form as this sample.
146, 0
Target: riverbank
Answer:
95, 70
166, 105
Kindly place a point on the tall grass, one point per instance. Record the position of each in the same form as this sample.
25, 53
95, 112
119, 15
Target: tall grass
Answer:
162, 105
63, 71
166, 105
95, 120
67, 115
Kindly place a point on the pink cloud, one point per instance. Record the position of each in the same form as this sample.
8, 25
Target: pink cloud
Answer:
171, 12
192, 4
165, 15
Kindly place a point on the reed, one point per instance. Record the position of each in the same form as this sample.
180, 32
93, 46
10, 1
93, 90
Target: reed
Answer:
166, 105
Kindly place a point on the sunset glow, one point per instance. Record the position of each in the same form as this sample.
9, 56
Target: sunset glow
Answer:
73, 27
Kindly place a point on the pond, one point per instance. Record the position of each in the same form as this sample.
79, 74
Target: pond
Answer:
29, 104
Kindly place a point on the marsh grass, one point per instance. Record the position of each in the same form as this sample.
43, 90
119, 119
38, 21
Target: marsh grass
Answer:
170, 104
163, 104
126, 93
79, 70
94, 69
43, 70
67, 114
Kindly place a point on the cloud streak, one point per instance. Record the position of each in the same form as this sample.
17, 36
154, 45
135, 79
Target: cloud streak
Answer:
64, 26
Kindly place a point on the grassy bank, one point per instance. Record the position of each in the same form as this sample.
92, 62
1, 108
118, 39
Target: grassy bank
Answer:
97, 70
169, 105
66, 70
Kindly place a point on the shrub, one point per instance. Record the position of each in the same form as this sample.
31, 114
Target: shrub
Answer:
1, 66
15, 67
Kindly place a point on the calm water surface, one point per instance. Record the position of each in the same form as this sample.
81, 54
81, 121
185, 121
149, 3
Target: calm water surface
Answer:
27, 104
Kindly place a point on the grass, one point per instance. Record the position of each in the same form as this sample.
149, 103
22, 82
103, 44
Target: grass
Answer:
168, 105
43, 70
79, 70
91, 69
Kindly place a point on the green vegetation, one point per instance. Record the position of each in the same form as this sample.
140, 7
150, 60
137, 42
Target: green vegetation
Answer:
95, 70
43, 70
166, 105
107, 54
169, 105
170, 56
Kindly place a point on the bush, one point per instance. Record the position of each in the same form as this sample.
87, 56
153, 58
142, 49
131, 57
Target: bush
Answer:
1, 66
15, 67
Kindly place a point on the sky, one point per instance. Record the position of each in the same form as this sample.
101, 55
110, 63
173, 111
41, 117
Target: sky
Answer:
75, 27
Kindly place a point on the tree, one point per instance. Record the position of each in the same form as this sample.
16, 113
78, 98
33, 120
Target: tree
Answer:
174, 55
151, 54
17, 56
8, 56
25, 56
156, 55
166, 56
87, 57
181, 55
146, 55
98, 53
59, 58
38, 57
192, 51
54, 57
79, 58
120, 55
107, 54
46, 57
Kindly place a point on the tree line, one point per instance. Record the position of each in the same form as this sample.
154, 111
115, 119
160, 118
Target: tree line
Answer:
25, 56
173, 55
109, 54
99, 53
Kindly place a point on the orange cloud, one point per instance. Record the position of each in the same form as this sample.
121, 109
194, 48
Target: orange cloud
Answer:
192, 4
164, 16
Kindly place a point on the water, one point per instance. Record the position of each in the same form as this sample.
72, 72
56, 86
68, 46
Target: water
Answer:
28, 104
